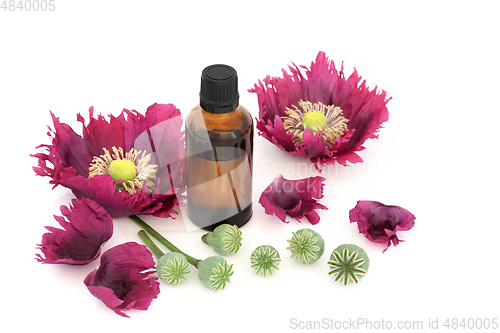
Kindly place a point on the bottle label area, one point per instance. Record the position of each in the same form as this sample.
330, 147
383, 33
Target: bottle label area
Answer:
219, 179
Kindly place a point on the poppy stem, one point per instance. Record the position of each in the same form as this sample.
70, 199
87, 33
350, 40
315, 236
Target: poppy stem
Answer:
150, 244
163, 240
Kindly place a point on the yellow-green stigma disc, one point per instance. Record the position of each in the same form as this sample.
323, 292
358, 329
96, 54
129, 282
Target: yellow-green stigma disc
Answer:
314, 120
122, 169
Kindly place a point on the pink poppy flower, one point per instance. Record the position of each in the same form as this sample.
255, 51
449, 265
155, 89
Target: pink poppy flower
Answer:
296, 198
122, 281
133, 164
321, 116
80, 242
380, 223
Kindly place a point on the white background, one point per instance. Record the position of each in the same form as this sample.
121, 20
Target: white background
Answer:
436, 156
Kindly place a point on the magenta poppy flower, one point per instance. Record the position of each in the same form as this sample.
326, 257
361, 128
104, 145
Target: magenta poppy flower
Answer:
321, 116
380, 223
122, 281
89, 226
133, 164
296, 198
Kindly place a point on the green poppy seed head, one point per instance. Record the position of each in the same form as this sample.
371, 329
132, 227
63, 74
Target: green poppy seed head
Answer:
306, 245
265, 259
172, 268
225, 239
215, 272
348, 262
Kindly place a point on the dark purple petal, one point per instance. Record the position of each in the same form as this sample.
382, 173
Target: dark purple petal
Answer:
70, 149
312, 216
274, 131
125, 278
81, 239
272, 209
296, 198
380, 223
100, 133
313, 144
102, 189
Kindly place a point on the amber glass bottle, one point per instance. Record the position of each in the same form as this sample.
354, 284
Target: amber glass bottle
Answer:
219, 149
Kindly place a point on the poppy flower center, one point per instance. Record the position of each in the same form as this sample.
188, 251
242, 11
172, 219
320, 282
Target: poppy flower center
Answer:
122, 169
132, 169
324, 120
314, 120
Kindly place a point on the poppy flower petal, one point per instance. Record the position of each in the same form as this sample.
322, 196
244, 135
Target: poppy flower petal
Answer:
102, 189
108, 297
125, 278
313, 217
295, 198
89, 226
64, 143
380, 223
101, 133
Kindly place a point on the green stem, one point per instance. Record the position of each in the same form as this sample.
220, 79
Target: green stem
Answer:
204, 238
163, 240
150, 244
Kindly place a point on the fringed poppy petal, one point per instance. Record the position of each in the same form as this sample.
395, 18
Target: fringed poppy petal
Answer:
89, 226
380, 223
295, 198
125, 278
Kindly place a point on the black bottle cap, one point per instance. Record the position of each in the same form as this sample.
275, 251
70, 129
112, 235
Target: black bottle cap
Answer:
219, 89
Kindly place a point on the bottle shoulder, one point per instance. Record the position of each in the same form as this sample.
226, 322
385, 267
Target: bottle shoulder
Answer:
240, 119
